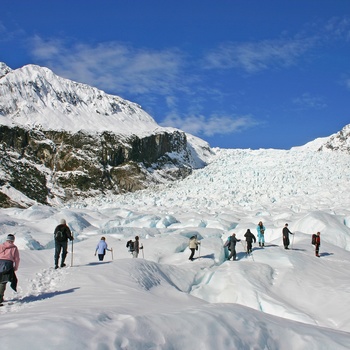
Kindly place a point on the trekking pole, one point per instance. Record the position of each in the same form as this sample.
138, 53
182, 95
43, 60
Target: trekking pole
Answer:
112, 252
199, 251
71, 261
143, 255
293, 240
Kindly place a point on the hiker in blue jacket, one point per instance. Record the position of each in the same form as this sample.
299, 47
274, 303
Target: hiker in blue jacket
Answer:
231, 245
261, 231
101, 249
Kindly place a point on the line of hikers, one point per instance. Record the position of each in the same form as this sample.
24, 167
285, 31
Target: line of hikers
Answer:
62, 233
250, 238
9, 255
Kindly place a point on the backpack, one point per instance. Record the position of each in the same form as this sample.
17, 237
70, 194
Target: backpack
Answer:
131, 245
313, 239
228, 243
6, 266
60, 236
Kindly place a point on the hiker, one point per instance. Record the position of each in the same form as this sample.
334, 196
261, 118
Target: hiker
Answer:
317, 244
62, 234
9, 263
193, 245
286, 233
261, 231
101, 249
250, 237
231, 245
137, 247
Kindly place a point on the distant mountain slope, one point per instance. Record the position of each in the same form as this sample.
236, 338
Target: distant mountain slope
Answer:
250, 184
61, 139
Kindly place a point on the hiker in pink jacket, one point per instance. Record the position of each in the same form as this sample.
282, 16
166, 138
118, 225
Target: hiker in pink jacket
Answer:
9, 263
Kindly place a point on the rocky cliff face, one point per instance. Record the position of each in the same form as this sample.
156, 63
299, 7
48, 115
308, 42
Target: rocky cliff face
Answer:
80, 156
339, 141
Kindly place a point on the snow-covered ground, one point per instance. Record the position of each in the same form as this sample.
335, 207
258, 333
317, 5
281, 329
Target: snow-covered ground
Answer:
273, 299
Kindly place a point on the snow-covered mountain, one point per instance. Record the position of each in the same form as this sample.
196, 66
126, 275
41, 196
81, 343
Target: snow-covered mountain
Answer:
62, 139
35, 97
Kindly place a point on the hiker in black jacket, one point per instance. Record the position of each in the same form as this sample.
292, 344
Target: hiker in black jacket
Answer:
62, 234
231, 244
286, 233
249, 236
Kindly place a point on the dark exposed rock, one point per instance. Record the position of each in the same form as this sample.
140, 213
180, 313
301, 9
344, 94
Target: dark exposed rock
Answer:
44, 165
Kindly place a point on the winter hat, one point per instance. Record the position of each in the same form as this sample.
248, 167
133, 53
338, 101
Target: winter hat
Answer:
63, 221
10, 238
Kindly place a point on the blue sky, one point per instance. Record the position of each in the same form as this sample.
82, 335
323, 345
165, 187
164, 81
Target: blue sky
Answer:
237, 73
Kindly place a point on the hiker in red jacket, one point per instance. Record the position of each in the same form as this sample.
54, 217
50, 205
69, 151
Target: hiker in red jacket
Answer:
317, 244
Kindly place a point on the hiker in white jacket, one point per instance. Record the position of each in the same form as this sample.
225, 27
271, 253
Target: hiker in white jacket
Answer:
193, 245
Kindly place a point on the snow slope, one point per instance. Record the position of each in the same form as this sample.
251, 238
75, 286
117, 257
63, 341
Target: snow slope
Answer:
273, 299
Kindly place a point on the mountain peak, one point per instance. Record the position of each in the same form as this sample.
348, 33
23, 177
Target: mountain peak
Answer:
4, 69
35, 97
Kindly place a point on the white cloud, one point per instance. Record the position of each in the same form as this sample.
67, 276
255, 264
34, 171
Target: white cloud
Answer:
45, 50
310, 102
338, 28
257, 56
200, 125
112, 66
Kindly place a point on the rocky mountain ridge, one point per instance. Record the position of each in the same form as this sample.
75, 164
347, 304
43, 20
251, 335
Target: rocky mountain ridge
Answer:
339, 141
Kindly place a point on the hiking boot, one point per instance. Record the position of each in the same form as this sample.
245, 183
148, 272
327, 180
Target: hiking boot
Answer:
56, 267
259, 244
63, 265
